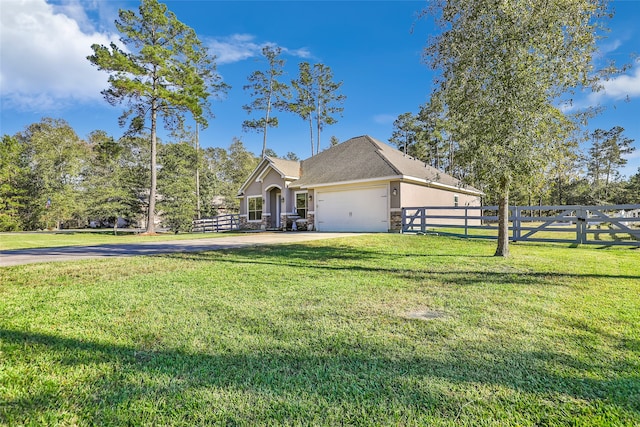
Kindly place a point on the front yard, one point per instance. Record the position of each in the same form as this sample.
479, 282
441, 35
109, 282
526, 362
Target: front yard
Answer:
373, 330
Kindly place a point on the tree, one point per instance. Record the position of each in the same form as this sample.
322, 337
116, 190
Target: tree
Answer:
305, 102
292, 156
114, 179
226, 171
633, 188
615, 147
328, 100
164, 71
606, 156
268, 94
13, 177
564, 170
435, 145
503, 67
56, 158
333, 141
176, 185
317, 98
405, 131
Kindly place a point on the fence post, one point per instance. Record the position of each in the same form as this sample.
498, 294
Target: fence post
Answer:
423, 223
581, 225
466, 221
516, 223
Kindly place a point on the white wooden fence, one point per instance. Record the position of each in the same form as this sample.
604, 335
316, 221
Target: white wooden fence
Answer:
603, 225
217, 224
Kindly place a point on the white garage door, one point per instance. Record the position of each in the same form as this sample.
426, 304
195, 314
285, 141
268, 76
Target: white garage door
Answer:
362, 209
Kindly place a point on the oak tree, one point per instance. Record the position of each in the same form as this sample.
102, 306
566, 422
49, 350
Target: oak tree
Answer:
503, 68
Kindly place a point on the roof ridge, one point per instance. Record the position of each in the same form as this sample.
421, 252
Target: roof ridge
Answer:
379, 152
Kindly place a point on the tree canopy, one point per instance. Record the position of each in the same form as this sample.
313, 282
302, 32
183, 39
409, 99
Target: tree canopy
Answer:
502, 68
268, 93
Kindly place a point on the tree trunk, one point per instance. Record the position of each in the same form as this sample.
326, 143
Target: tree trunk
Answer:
198, 207
311, 132
503, 225
266, 120
151, 213
318, 124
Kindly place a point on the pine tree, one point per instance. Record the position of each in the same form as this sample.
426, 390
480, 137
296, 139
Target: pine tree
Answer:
164, 72
268, 94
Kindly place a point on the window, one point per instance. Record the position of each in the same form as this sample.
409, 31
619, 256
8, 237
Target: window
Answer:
301, 204
455, 201
255, 208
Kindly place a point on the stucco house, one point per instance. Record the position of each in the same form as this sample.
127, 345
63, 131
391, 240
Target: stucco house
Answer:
359, 185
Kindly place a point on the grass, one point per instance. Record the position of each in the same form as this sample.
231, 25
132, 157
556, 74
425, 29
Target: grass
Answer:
372, 330
10, 241
600, 234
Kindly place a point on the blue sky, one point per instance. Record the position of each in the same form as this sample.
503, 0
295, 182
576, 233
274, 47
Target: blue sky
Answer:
374, 47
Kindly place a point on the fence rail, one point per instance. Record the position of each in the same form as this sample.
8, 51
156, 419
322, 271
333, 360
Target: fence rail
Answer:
217, 224
604, 225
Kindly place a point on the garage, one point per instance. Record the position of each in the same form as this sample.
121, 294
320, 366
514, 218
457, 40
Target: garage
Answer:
353, 209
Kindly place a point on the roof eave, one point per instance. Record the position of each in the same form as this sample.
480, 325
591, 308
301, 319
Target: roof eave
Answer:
442, 186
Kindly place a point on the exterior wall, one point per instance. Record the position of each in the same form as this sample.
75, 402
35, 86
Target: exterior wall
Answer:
272, 179
269, 181
413, 195
395, 189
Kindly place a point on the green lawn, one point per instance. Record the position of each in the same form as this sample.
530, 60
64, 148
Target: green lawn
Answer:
86, 238
372, 330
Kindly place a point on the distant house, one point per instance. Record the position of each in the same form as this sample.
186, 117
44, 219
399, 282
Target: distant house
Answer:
359, 185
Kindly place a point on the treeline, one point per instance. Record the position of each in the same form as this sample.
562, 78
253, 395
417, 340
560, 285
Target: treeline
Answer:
51, 178
574, 175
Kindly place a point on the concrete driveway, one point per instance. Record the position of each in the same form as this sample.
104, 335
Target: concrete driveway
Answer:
72, 253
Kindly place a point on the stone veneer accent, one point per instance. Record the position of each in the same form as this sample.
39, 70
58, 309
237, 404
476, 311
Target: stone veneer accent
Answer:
246, 225
311, 218
396, 221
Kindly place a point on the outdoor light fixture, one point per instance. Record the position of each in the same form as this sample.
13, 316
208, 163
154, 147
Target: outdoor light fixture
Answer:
310, 197
394, 192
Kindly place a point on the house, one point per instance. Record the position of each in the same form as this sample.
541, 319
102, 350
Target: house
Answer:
359, 185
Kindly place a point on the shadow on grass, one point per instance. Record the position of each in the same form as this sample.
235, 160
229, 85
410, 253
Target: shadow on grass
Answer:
332, 258
334, 377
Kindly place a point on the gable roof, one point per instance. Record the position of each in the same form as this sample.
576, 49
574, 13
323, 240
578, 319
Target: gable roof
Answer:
363, 158
358, 159
288, 169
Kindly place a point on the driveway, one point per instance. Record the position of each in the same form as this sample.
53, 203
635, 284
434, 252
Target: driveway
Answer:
72, 253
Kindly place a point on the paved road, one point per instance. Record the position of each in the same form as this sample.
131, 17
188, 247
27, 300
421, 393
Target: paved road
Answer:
71, 253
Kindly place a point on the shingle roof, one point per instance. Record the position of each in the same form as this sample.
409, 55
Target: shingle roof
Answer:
363, 158
358, 159
288, 168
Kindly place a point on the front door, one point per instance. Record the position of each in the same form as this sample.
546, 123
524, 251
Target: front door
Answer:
275, 207
278, 209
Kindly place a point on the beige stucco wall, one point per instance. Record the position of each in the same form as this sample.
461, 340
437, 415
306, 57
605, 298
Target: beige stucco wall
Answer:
259, 188
412, 195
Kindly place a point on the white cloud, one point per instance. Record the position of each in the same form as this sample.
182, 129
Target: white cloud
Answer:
43, 56
235, 48
607, 48
625, 86
238, 47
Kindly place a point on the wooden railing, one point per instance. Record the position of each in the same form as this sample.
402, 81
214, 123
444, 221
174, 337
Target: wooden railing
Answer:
604, 225
217, 224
